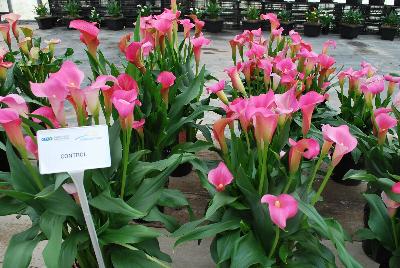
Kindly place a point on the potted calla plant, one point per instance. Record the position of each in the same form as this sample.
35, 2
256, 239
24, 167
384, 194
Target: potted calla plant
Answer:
214, 23
326, 20
114, 19
44, 19
95, 17
72, 9
312, 26
351, 24
252, 19
287, 22
390, 26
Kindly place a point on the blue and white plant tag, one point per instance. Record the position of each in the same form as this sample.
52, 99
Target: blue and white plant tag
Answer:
75, 150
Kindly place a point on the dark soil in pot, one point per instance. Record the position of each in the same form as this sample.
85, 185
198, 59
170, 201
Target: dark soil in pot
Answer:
45, 23
287, 26
349, 31
115, 24
388, 33
251, 24
312, 29
182, 169
325, 30
343, 167
376, 2
214, 25
372, 248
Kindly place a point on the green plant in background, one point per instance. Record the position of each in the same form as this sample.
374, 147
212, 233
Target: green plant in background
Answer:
41, 10
285, 16
353, 17
213, 10
72, 8
253, 13
114, 9
144, 10
325, 19
197, 11
94, 16
392, 19
313, 15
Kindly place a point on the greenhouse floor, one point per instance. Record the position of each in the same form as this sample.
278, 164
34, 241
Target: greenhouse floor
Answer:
344, 203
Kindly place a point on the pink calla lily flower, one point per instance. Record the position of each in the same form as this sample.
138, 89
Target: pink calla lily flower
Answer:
390, 204
220, 177
31, 146
396, 188
265, 122
16, 102
327, 44
308, 148
286, 103
5, 32
138, 126
187, 26
198, 43
281, 208
393, 80
343, 140
307, 104
70, 188
133, 54
89, 33
273, 19
218, 89
92, 93
166, 79
48, 113
4, 65
123, 42
383, 122
11, 123
12, 20
235, 79
218, 131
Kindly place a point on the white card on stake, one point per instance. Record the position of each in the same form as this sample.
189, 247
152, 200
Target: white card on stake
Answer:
73, 149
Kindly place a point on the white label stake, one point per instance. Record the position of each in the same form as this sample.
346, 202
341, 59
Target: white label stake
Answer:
74, 150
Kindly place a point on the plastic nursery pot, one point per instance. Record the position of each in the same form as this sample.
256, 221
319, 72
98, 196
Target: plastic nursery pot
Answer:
373, 248
377, 2
4, 166
388, 33
353, 2
46, 22
115, 24
312, 29
343, 167
214, 25
287, 26
325, 30
396, 3
251, 24
349, 31
326, 1
182, 169
265, 25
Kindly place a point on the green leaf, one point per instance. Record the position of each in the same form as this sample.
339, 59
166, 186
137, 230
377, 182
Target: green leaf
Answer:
124, 258
170, 223
208, 231
172, 198
226, 245
115, 149
129, 234
220, 199
379, 221
365, 234
10, 206
20, 248
105, 202
52, 226
361, 175
69, 248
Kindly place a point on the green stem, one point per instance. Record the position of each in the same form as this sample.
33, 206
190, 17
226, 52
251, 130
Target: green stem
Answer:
34, 174
263, 169
314, 174
247, 141
323, 185
396, 241
96, 120
126, 137
276, 240
291, 177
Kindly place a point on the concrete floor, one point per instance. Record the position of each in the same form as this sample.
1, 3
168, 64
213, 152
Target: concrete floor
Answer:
341, 202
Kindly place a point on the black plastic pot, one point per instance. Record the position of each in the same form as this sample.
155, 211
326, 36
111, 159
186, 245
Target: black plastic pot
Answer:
265, 25
45, 23
4, 166
376, 2
343, 167
287, 27
396, 3
353, 2
251, 24
373, 248
182, 169
349, 31
115, 24
325, 30
326, 1
312, 29
214, 25
388, 33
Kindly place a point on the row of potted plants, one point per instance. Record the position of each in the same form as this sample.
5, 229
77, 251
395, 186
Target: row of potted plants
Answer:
277, 134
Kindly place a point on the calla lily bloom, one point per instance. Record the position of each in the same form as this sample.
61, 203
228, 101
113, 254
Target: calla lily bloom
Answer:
393, 80
89, 33
51, 44
396, 188
343, 140
4, 65
218, 89
48, 113
273, 19
31, 146
11, 123
238, 107
220, 177
218, 131
390, 204
187, 26
266, 66
372, 86
383, 122
133, 54
124, 102
5, 32
368, 69
198, 43
123, 42
286, 103
307, 104
235, 79
12, 20
265, 122
327, 44
70, 188
166, 79
281, 208
325, 61
308, 148
16, 102
138, 126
